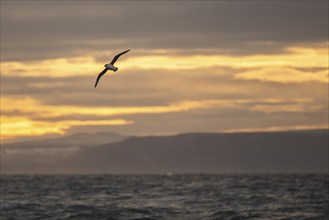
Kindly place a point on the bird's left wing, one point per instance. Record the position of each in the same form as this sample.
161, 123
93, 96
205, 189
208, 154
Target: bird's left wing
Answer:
100, 75
117, 56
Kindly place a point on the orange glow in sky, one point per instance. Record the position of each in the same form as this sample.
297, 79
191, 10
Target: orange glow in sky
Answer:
297, 65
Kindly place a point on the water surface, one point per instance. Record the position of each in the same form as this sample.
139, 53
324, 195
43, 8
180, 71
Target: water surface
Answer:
123, 197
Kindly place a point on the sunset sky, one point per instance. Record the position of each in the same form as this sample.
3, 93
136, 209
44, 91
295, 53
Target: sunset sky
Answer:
213, 66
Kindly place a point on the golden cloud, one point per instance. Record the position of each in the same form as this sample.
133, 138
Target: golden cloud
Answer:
24, 125
280, 128
297, 65
12, 126
273, 67
283, 75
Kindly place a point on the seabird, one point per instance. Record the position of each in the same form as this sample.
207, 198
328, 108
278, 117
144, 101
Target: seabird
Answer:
110, 66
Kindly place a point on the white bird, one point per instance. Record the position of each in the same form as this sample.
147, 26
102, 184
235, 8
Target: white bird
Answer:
110, 66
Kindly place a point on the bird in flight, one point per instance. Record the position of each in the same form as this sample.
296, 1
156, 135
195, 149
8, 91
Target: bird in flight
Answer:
110, 66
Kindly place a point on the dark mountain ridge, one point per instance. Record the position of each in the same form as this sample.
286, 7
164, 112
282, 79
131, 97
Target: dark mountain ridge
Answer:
211, 152
261, 152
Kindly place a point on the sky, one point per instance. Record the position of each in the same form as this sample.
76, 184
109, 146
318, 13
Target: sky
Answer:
210, 66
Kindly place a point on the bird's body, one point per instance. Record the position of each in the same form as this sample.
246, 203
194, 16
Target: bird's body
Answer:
110, 66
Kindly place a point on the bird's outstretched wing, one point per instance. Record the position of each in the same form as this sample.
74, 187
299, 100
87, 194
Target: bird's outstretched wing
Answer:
100, 75
117, 56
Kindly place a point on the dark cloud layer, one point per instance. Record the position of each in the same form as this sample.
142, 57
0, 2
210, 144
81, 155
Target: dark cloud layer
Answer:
33, 30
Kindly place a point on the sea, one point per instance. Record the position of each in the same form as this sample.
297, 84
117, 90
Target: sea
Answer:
168, 196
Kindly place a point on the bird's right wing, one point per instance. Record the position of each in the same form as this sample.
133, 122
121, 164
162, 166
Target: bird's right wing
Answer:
100, 75
117, 56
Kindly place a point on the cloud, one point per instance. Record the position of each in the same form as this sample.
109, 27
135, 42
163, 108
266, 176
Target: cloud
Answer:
293, 65
193, 66
208, 115
282, 128
294, 107
68, 29
25, 124
284, 75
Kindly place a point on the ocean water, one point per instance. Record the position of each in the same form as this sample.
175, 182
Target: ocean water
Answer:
209, 197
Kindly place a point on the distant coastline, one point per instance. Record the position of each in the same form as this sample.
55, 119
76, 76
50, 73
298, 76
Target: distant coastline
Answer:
303, 151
